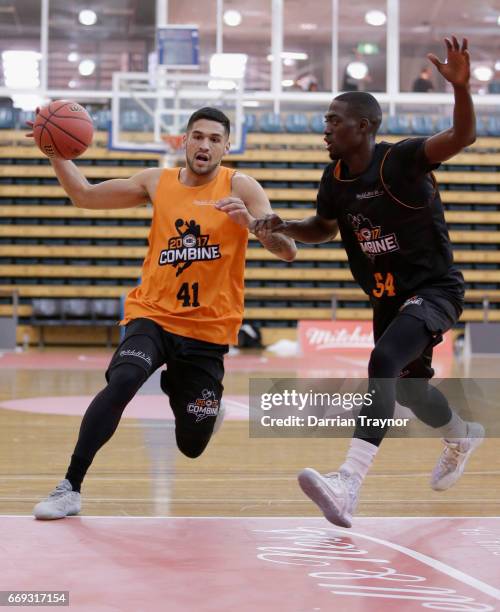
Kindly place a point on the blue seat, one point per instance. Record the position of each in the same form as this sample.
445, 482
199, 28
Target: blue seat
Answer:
443, 123
271, 123
297, 123
318, 123
101, 119
494, 126
251, 123
7, 119
23, 116
135, 121
399, 124
481, 126
423, 125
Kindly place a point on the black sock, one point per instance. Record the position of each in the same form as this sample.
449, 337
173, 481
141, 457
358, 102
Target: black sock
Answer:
76, 471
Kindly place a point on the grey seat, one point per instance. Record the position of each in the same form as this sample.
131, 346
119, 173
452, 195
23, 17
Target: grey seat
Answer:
46, 308
76, 308
106, 308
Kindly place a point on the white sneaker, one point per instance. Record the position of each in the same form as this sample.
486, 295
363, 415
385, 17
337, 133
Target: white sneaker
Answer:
336, 494
220, 417
61, 502
451, 463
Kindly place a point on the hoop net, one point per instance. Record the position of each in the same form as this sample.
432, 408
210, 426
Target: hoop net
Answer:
173, 143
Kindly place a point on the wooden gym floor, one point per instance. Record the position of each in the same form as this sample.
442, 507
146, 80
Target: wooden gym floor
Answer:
141, 473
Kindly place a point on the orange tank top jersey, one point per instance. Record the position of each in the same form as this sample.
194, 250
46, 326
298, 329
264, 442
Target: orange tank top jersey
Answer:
192, 279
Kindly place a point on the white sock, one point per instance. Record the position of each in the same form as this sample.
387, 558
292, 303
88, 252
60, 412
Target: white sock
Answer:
359, 457
455, 429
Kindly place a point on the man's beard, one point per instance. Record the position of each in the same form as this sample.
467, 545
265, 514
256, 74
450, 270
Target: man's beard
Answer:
201, 171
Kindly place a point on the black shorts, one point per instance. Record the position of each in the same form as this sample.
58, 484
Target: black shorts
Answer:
438, 308
193, 378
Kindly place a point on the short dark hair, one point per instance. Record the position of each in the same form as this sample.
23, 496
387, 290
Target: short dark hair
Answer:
212, 114
363, 105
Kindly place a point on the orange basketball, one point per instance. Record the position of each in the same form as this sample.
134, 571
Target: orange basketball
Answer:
63, 129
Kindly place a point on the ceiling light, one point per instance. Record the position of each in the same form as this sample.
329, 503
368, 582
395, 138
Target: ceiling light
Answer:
483, 73
251, 103
375, 18
357, 70
498, 20
72, 84
497, 66
86, 67
73, 56
232, 18
87, 17
308, 26
287, 82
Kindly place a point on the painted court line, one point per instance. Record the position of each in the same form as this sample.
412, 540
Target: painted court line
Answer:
434, 563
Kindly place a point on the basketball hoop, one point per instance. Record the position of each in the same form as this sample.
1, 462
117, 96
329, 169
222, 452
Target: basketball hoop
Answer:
173, 143
173, 150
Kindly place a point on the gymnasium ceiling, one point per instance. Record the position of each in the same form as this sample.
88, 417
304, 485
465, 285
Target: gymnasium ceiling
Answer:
427, 19
124, 25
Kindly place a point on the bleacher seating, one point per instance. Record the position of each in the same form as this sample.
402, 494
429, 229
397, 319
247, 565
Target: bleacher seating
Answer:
7, 118
297, 123
271, 122
50, 250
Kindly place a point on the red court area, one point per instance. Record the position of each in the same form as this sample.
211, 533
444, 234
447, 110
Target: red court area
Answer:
249, 564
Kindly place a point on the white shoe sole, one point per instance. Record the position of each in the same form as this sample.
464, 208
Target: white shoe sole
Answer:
311, 482
45, 515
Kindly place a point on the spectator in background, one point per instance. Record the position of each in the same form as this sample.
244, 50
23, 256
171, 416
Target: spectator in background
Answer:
307, 82
423, 83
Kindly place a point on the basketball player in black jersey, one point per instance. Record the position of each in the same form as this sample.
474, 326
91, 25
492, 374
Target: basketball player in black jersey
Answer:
384, 200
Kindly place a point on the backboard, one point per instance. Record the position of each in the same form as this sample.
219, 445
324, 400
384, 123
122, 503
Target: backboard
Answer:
147, 107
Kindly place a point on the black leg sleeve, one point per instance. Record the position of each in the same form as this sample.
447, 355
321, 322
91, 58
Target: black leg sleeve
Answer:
102, 417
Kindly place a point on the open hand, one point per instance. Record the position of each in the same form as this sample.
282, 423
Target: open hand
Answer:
456, 68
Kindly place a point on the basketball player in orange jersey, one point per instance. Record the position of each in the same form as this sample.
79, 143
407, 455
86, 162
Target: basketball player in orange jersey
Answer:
188, 306
384, 200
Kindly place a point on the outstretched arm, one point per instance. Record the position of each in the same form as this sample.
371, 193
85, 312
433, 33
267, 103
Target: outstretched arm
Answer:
114, 193
456, 70
248, 203
312, 230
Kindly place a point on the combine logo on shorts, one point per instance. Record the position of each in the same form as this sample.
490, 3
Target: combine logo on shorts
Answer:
189, 246
205, 406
